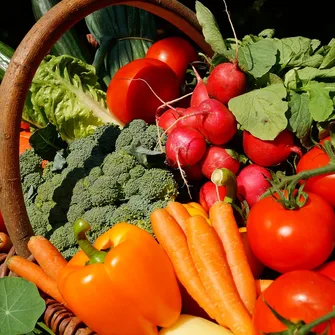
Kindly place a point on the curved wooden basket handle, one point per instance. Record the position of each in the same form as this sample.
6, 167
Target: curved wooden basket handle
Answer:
18, 77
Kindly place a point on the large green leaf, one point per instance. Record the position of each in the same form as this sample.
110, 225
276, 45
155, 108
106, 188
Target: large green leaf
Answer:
262, 111
20, 306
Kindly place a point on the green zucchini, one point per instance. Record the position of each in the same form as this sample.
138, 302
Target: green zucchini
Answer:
124, 33
70, 43
6, 53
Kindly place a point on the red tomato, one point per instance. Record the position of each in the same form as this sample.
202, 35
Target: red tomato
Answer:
323, 185
24, 126
175, 52
24, 141
327, 269
296, 295
131, 99
286, 240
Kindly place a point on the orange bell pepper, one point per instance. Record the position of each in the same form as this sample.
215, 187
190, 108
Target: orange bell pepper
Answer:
124, 284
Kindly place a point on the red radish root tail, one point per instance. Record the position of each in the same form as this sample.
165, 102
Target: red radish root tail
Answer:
183, 176
151, 89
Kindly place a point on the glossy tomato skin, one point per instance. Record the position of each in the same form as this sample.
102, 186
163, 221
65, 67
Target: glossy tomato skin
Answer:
323, 185
286, 240
327, 269
130, 99
297, 295
176, 52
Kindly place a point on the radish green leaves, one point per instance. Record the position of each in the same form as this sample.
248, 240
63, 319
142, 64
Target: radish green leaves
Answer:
291, 80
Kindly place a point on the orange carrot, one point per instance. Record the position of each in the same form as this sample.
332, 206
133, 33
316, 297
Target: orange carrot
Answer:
262, 285
5, 242
34, 273
178, 212
222, 218
209, 258
173, 240
47, 255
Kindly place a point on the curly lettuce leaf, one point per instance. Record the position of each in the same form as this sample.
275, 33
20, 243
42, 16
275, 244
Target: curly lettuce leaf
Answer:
65, 91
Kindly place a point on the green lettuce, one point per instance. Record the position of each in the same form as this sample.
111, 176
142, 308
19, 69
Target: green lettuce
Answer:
66, 93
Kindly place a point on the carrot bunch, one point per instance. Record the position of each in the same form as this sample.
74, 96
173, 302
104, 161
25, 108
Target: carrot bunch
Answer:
43, 275
210, 262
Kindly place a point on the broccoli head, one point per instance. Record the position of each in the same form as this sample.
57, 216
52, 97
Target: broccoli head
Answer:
100, 181
139, 133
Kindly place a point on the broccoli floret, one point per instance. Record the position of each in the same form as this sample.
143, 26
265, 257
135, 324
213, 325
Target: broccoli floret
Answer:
105, 191
155, 184
64, 240
118, 163
30, 162
139, 133
31, 182
39, 220
137, 172
100, 220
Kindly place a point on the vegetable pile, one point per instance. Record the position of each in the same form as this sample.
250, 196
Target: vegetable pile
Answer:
175, 193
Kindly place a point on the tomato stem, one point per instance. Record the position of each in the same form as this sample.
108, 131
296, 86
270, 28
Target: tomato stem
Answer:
307, 329
290, 182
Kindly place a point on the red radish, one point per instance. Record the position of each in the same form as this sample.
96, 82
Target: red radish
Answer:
193, 172
270, 153
216, 122
200, 93
217, 157
190, 118
168, 118
185, 146
208, 194
252, 183
225, 82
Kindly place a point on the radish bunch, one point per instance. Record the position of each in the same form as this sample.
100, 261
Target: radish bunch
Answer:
197, 135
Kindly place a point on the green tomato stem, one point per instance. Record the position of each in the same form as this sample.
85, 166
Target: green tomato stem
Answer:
292, 181
80, 228
306, 329
224, 177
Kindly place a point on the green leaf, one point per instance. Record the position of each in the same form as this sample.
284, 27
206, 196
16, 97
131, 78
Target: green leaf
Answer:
329, 60
262, 111
320, 104
210, 28
296, 51
46, 142
299, 118
257, 58
20, 306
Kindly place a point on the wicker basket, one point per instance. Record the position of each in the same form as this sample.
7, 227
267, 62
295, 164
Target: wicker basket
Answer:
13, 91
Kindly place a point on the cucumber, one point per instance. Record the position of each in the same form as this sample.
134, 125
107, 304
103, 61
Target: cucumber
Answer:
6, 53
124, 33
70, 43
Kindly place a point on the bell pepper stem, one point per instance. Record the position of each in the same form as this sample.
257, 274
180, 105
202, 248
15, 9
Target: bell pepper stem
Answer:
80, 228
224, 177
